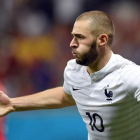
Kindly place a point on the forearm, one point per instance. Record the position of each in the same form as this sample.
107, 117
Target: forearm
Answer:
49, 99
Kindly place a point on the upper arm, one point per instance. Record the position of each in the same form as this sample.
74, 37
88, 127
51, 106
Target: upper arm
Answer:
58, 98
67, 94
69, 99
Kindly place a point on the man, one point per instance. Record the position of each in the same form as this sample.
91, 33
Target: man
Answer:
104, 86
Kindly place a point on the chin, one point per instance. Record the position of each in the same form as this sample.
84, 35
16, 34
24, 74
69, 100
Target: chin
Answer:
80, 62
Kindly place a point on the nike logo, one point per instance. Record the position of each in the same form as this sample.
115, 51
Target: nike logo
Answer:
75, 89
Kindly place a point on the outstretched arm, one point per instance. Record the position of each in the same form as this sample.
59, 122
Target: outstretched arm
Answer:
48, 99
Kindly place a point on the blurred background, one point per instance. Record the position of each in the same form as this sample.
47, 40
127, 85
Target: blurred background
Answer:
34, 50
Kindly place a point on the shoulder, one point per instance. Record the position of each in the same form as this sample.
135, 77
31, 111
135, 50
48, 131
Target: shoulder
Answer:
122, 64
131, 73
74, 73
122, 60
131, 68
131, 77
72, 65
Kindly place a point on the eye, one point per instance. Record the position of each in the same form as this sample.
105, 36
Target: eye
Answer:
80, 37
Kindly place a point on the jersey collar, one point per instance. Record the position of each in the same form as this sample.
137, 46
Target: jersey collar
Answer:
104, 71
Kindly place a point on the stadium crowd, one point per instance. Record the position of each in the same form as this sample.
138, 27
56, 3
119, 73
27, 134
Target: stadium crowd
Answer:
35, 37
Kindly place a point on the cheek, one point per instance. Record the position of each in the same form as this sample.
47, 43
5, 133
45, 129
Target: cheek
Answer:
82, 49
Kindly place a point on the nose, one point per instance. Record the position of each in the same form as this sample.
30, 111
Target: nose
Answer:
74, 43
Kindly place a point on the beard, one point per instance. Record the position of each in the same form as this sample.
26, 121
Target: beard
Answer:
89, 57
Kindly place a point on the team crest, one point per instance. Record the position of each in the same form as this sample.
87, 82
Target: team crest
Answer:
109, 94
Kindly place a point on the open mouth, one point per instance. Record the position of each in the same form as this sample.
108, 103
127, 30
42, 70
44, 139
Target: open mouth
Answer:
75, 55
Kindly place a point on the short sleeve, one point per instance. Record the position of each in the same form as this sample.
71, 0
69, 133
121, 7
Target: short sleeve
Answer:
131, 78
66, 88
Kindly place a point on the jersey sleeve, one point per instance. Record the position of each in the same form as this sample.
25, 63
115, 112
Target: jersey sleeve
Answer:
66, 86
131, 78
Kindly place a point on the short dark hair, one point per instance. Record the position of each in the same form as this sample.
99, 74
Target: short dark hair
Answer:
101, 23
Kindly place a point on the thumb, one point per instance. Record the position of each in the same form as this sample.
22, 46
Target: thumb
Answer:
4, 99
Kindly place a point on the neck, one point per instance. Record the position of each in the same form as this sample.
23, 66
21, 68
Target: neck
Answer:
101, 61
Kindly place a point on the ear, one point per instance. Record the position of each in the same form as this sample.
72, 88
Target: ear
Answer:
102, 40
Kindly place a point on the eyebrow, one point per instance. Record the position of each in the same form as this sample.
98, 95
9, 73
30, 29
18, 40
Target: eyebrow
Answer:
76, 34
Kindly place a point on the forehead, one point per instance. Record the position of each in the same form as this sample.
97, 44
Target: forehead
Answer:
81, 27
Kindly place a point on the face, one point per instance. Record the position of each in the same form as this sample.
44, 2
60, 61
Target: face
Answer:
83, 44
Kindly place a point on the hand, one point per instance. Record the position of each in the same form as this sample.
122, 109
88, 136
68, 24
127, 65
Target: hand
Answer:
5, 104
